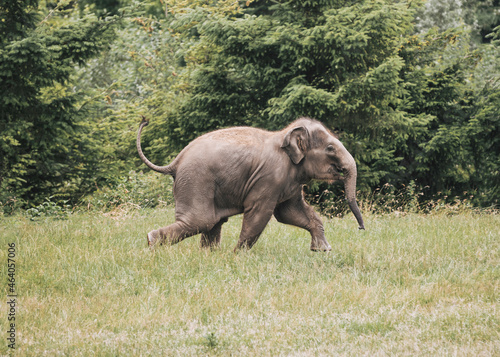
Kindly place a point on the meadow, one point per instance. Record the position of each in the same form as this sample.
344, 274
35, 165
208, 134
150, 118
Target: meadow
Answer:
412, 284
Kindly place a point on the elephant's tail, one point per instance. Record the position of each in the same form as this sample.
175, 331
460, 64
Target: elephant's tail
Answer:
168, 170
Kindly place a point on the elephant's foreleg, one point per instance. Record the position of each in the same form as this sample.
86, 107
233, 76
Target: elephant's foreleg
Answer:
211, 239
297, 212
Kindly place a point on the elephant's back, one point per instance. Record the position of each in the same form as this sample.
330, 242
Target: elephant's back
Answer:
239, 136
230, 146
224, 160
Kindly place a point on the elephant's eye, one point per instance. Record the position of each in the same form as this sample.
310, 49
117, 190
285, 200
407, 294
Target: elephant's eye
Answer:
330, 149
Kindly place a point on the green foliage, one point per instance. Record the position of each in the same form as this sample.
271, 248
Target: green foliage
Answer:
136, 76
400, 201
402, 103
484, 132
137, 190
41, 144
443, 82
339, 64
413, 98
480, 16
49, 209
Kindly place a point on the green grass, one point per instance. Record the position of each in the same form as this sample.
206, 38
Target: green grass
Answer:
412, 285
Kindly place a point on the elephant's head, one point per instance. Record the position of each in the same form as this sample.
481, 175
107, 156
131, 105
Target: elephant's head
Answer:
319, 155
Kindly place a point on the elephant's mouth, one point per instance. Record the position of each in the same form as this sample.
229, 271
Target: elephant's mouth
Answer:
337, 172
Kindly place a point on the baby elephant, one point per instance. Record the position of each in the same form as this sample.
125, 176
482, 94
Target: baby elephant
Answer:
257, 173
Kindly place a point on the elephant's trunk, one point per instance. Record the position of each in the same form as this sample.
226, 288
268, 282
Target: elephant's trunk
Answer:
350, 174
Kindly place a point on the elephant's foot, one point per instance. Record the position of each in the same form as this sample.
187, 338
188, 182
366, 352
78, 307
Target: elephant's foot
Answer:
153, 238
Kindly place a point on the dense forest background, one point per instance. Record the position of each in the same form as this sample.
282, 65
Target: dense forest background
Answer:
411, 87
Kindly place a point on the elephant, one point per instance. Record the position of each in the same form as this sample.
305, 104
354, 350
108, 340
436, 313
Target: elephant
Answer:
255, 172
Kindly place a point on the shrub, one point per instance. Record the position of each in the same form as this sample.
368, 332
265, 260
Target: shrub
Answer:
49, 209
136, 190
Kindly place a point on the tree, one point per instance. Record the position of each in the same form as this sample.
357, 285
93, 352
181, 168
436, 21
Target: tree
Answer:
480, 16
135, 76
456, 84
404, 104
332, 60
40, 148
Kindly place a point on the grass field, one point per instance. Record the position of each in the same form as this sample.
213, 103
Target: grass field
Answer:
410, 285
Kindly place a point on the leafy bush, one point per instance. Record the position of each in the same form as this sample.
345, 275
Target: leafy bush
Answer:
10, 204
49, 209
389, 199
136, 190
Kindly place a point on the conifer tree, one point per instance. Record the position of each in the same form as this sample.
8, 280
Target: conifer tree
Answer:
402, 102
336, 61
39, 121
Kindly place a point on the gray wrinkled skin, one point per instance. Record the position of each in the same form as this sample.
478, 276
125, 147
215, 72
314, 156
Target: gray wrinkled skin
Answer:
257, 173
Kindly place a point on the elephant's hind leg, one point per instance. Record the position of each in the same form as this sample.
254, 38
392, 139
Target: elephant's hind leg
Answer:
173, 233
211, 239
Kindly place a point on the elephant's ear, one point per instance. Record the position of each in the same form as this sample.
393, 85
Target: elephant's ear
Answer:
295, 143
